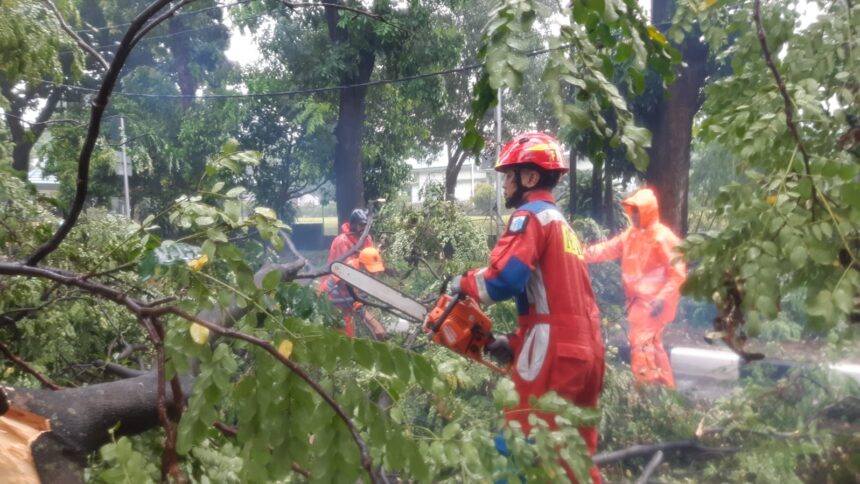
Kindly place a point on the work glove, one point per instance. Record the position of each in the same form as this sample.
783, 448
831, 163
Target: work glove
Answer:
500, 350
454, 286
657, 307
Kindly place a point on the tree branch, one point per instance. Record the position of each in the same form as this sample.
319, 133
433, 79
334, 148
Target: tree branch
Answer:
29, 369
604, 458
114, 368
650, 468
374, 16
145, 311
99, 104
169, 465
81, 42
788, 104
158, 20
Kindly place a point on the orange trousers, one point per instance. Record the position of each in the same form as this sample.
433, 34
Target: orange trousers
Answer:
648, 358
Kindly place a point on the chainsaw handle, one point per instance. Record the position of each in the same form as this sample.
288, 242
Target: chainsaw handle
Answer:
450, 307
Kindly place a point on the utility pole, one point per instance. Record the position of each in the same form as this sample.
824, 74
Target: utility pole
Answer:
498, 154
124, 167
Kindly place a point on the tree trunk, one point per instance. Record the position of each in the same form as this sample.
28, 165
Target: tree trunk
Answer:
81, 418
24, 139
348, 170
179, 47
452, 170
21, 156
608, 199
571, 180
596, 190
671, 126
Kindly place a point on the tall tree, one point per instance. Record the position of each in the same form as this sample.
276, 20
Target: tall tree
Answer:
35, 54
349, 179
376, 127
671, 122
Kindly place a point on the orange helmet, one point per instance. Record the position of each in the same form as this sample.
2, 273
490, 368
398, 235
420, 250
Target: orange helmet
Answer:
369, 257
539, 149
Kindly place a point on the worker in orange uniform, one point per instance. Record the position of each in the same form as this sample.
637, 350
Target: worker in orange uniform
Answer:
338, 293
538, 261
349, 234
652, 272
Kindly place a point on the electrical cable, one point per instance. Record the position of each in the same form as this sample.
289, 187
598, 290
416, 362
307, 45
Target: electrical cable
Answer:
183, 14
297, 92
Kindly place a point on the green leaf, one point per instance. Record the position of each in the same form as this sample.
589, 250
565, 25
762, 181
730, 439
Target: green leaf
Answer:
266, 212
229, 147
234, 192
364, 353
272, 280
798, 256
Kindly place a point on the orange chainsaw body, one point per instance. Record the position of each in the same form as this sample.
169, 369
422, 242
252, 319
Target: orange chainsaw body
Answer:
466, 329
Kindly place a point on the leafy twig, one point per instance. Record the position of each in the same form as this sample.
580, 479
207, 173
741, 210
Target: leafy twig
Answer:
169, 463
81, 42
29, 369
788, 103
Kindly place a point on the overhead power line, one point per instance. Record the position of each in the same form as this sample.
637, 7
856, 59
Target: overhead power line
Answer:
182, 14
186, 31
299, 92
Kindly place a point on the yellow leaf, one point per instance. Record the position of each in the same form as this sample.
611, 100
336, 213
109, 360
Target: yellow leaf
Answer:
200, 334
285, 348
706, 4
771, 199
198, 263
657, 35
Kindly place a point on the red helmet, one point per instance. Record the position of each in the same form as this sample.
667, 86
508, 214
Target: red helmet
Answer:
536, 148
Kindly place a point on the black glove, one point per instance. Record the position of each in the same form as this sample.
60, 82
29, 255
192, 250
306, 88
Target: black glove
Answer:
500, 350
657, 307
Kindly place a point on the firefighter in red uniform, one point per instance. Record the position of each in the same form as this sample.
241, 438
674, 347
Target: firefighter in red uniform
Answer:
652, 272
539, 262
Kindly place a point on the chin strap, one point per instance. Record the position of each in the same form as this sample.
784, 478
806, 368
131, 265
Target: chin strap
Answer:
517, 198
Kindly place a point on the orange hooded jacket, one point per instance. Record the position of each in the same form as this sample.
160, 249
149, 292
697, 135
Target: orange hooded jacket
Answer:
651, 268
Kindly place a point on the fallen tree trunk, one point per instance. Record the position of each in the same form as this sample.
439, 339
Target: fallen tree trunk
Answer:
80, 420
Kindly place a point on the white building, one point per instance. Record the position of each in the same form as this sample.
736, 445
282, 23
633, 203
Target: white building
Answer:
47, 185
434, 172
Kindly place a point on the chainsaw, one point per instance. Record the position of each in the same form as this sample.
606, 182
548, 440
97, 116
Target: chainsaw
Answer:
455, 322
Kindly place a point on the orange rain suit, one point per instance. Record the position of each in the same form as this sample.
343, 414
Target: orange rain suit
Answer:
652, 272
331, 285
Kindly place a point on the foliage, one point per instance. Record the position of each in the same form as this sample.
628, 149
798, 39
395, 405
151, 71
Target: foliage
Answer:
794, 224
97, 328
30, 43
582, 60
437, 230
791, 429
484, 198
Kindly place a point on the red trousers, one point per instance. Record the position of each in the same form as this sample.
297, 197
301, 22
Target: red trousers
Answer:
571, 366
